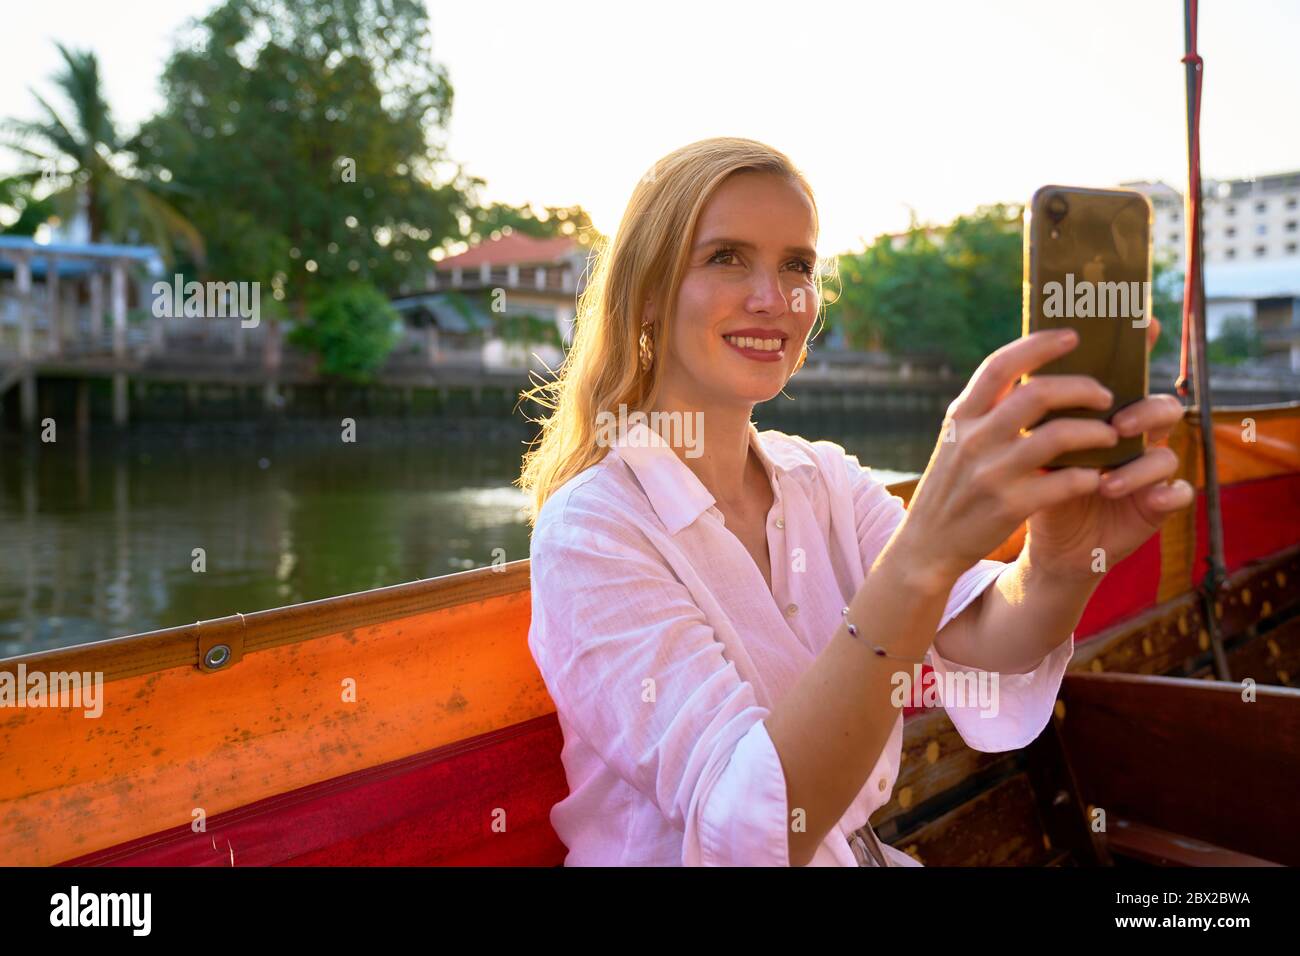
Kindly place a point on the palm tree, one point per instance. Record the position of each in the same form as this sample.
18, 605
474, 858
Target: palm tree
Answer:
16, 193
88, 165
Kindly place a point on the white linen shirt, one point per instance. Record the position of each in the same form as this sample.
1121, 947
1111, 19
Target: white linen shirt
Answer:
663, 650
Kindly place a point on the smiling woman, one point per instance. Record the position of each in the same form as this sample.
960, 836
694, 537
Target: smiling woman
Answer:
748, 189
722, 630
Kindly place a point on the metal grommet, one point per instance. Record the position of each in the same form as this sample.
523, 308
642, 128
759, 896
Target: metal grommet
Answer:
218, 655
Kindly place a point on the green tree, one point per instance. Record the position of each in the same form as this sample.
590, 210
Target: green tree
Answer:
491, 221
1167, 306
352, 329
308, 136
79, 155
949, 295
899, 298
985, 251
306, 133
527, 328
955, 293
1237, 341
17, 193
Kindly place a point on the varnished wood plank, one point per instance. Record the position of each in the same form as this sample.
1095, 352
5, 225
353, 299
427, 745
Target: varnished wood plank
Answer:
1190, 756
1270, 658
1163, 848
1000, 827
934, 760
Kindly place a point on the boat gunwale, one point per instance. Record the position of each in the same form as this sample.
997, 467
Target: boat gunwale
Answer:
134, 655
181, 646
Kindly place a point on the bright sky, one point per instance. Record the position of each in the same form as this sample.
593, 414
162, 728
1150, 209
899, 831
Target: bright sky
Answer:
931, 105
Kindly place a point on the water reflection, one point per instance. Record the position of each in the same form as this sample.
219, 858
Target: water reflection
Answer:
174, 525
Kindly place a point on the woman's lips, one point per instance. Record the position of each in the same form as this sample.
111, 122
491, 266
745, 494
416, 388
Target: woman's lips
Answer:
758, 355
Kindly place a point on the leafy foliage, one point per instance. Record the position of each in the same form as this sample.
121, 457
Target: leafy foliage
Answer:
1237, 341
304, 131
517, 326
955, 294
1167, 306
352, 327
489, 222
529, 329
16, 192
80, 155
300, 147
952, 295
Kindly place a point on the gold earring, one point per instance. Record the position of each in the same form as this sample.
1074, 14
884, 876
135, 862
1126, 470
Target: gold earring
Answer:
647, 348
803, 357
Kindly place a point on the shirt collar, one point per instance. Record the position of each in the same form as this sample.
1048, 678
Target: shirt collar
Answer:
676, 494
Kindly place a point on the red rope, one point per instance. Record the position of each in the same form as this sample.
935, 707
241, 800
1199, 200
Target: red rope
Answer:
1192, 208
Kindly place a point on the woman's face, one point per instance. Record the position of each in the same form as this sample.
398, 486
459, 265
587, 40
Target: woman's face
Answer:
749, 277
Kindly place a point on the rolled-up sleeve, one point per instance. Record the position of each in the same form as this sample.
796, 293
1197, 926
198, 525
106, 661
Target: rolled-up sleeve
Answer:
1012, 709
1021, 703
636, 669
752, 779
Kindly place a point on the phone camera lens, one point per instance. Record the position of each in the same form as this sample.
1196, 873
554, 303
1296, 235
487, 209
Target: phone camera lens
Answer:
1057, 207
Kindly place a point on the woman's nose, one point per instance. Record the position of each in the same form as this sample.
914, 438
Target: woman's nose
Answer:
766, 294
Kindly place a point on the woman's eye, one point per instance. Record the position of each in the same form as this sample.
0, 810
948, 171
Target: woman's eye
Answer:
801, 265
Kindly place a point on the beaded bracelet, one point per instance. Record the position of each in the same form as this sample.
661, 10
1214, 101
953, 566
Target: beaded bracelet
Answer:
879, 651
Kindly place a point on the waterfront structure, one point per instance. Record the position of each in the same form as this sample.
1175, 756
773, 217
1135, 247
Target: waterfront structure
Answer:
1251, 235
528, 276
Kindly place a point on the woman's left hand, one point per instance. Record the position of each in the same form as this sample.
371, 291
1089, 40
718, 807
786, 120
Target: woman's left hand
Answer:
1129, 506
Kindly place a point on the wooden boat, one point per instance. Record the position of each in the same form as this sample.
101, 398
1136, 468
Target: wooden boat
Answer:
409, 724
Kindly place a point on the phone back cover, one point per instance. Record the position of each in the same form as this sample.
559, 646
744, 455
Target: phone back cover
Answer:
1088, 267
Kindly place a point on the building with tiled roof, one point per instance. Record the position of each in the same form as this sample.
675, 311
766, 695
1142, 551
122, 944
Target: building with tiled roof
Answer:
518, 274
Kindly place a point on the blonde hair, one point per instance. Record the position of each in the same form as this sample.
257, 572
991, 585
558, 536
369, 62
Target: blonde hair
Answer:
645, 260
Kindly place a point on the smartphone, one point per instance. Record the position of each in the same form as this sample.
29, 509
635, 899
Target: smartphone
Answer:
1087, 266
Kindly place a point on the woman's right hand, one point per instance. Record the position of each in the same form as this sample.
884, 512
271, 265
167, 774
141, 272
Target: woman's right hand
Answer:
985, 477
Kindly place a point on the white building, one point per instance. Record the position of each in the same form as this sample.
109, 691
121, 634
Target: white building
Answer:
1251, 235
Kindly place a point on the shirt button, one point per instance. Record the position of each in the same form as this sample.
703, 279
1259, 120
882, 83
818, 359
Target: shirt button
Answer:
881, 785
791, 609
780, 522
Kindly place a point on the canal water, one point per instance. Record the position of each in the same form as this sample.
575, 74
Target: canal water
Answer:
173, 524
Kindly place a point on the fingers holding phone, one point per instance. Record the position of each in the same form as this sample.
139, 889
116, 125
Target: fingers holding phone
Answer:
986, 476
